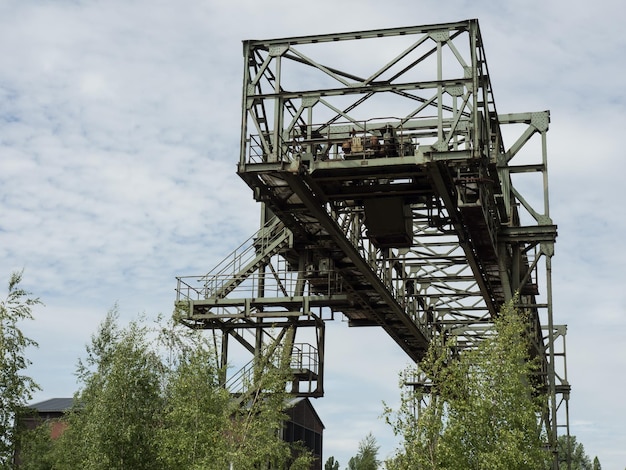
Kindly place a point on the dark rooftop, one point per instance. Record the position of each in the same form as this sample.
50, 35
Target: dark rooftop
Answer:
53, 405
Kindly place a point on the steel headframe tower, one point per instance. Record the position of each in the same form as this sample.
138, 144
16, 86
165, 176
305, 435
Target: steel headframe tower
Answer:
388, 196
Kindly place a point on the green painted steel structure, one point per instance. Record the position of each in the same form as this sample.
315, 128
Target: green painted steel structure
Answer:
388, 197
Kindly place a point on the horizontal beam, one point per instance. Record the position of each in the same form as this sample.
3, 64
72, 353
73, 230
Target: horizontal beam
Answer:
229, 324
294, 301
379, 87
530, 234
367, 34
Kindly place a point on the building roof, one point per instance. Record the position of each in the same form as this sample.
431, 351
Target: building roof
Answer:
53, 405
61, 405
297, 400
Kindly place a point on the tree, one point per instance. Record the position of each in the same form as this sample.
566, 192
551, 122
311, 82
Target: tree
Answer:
259, 418
153, 399
16, 389
117, 412
596, 464
36, 448
331, 464
482, 411
420, 418
366, 458
196, 415
205, 427
578, 458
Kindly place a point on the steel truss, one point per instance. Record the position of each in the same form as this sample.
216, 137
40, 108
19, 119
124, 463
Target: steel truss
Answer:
389, 197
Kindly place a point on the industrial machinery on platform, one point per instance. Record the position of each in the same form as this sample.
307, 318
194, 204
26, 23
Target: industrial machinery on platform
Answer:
393, 194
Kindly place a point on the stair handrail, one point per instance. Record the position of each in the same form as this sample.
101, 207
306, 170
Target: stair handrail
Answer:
232, 264
303, 357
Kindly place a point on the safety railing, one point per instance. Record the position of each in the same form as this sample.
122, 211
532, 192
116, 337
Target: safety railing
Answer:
304, 358
372, 138
274, 283
237, 266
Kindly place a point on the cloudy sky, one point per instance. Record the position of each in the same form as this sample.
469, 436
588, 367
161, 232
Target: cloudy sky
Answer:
119, 128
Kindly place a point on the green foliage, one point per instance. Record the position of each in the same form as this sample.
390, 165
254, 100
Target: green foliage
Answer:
331, 464
195, 417
482, 411
367, 456
596, 464
116, 414
152, 399
421, 427
258, 421
16, 389
36, 448
578, 458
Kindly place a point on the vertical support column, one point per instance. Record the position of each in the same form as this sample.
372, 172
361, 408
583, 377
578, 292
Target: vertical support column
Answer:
552, 429
506, 280
321, 339
440, 37
566, 399
223, 364
439, 92
277, 52
473, 32
540, 122
259, 340
544, 152
244, 104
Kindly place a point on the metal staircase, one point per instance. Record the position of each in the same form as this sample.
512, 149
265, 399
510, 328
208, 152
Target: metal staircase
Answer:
245, 260
303, 366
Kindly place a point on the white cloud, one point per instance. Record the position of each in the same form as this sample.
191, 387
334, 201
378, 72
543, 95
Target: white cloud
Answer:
119, 135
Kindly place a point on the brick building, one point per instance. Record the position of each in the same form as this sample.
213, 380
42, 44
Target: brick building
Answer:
303, 425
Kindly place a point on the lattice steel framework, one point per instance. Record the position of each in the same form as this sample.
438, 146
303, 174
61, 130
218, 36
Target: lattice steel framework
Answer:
389, 197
